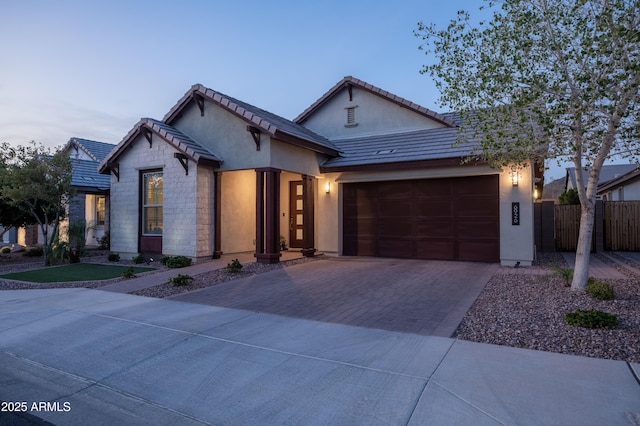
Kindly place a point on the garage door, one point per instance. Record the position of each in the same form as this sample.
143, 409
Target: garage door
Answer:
447, 219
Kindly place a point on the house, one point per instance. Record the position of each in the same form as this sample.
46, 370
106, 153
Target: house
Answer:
91, 200
607, 174
361, 172
622, 188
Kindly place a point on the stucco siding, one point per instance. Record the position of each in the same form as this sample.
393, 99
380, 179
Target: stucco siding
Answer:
288, 157
372, 114
516, 241
238, 215
225, 135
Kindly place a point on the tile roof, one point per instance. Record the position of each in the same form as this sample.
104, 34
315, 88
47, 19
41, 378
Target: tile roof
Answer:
85, 176
620, 180
183, 143
274, 125
420, 145
607, 173
351, 81
94, 149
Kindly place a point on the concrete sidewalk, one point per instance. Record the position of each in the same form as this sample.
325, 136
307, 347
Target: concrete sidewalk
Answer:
105, 358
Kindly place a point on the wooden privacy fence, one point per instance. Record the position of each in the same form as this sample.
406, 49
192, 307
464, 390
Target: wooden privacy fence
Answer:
621, 225
616, 226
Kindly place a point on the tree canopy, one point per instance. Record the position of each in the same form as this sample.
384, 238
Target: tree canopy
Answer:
555, 78
37, 181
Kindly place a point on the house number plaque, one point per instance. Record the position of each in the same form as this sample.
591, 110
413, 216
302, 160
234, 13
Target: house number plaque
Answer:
515, 213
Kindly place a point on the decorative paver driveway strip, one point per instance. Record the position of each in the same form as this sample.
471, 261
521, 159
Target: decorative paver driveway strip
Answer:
416, 296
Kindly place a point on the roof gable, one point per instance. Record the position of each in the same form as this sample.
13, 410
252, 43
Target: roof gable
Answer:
181, 142
272, 124
349, 82
95, 150
607, 173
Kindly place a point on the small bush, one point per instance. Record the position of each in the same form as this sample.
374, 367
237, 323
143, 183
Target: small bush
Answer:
599, 290
591, 319
34, 252
138, 259
128, 273
164, 260
180, 280
566, 274
176, 261
234, 266
105, 241
5, 250
113, 257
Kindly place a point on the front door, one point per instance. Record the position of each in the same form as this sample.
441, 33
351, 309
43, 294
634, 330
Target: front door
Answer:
296, 206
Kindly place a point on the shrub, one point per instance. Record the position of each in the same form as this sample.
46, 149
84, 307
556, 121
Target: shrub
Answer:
6, 250
176, 261
181, 280
113, 257
105, 241
591, 319
128, 273
34, 252
138, 259
566, 274
599, 290
234, 266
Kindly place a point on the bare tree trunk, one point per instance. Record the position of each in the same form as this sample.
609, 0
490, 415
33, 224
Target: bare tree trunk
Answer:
583, 250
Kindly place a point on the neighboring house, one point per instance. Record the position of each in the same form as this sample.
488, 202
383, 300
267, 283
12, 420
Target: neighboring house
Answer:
607, 174
622, 188
361, 172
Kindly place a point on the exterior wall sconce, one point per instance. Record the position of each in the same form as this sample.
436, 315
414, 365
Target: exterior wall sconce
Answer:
514, 177
536, 193
327, 187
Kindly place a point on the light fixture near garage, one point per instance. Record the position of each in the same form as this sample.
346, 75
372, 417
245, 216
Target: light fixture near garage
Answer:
327, 187
514, 176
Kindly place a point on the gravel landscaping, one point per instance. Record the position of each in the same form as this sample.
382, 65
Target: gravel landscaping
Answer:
517, 310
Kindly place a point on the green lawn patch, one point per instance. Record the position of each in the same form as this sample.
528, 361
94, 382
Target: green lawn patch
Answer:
74, 272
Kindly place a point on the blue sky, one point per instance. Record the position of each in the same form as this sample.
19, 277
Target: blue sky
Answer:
92, 69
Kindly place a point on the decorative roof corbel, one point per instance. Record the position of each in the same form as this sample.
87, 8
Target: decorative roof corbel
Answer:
183, 160
200, 102
148, 135
255, 133
350, 90
115, 169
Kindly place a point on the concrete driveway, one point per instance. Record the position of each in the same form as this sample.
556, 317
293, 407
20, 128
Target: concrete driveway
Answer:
414, 296
89, 357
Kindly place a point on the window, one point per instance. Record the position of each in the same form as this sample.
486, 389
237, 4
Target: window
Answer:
101, 209
152, 203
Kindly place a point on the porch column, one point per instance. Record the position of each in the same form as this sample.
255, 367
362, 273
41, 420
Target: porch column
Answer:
308, 213
267, 220
217, 215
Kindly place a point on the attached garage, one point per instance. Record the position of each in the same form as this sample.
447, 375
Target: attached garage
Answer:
446, 219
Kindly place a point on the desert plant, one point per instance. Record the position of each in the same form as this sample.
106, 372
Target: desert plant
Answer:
176, 261
591, 319
113, 257
138, 259
566, 274
181, 280
105, 241
234, 266
77, 241
128, 273
599, 290
36, 251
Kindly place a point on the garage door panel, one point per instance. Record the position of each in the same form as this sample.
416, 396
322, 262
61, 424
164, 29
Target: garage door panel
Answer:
400, 208
435, 249
394, 189
439, 229
433, 207
395, 228
395, 247
450, 219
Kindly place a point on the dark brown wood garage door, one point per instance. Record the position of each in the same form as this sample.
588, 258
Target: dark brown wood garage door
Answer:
447, 219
